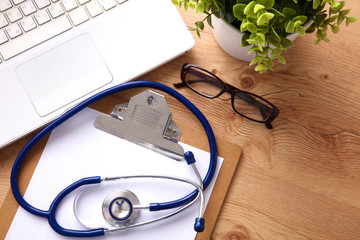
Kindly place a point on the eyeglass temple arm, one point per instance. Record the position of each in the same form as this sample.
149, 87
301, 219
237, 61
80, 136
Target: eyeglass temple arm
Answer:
182, 84
179, 84
202, 78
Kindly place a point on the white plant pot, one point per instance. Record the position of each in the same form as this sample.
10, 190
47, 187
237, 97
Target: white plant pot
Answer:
229, 39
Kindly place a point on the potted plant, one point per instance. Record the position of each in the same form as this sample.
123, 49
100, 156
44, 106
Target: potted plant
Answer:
267, 24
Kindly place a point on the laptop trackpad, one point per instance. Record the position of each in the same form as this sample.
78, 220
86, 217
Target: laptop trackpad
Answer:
63, 74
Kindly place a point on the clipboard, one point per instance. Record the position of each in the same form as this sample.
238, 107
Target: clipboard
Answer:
194, 137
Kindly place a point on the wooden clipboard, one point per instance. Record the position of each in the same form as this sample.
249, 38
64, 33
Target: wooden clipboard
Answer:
194, 137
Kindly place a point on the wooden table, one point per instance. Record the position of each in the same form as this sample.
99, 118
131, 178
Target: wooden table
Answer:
300, 180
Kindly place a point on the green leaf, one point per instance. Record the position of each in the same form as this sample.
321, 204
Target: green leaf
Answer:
254, 61
321, 35
264, 18
334, 5
248, 26
345, 12
286, 43
300, 18
200, 8
186, 5
245, 37
277, 13
253, 49
300, 30
350, 20
332, 18
200, 25
243, 27
260, 67
262, 37
316, 4
274, 34
289, 27
288, 12
238, 11
209, 21
265, 51
192, 5
198, 33
282, 60
325, 1
319, 20
311, 28
338, 7
249, 9
268, 62
251, 41
340, 19
335, 28
258, 7
273, 41
251, 27
276, 52
267, 3
297, 23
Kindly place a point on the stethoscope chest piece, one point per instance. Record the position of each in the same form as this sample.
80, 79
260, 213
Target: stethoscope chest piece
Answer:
118, 208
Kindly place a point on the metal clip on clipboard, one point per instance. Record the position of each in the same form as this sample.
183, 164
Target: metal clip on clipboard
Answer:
145, 120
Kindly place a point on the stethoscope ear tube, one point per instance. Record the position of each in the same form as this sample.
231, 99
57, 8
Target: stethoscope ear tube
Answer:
54, 205
154, 207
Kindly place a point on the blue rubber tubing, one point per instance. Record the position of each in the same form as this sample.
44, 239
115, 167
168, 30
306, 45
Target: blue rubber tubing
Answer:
130, 85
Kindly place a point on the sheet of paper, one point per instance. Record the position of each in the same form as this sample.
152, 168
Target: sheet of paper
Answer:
75, 150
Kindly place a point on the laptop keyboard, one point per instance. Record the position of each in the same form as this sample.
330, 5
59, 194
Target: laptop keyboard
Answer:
27, 23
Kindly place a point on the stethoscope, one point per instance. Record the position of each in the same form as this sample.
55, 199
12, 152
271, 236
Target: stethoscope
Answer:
120, 208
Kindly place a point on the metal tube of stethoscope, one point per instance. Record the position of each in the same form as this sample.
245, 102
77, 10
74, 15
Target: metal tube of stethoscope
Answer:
117, 229
199, 187
190, 159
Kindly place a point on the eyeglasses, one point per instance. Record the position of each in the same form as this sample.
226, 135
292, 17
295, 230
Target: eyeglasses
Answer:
246, 104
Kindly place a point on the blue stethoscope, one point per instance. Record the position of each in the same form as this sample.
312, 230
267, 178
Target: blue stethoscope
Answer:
121, 207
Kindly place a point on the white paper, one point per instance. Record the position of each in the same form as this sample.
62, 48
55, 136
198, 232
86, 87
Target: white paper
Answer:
76, 150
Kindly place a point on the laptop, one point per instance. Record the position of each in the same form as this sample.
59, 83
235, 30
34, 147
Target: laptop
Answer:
56, 53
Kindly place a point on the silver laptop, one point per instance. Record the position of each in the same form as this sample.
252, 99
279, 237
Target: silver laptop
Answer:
56, 53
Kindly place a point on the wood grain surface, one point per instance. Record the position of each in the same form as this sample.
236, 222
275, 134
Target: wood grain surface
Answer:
300, 180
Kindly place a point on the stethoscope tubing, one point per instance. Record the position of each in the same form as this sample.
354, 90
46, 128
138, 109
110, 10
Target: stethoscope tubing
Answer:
50, 214
178, 210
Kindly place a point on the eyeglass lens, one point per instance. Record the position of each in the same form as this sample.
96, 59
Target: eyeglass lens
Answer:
203, 83
208, 85
252, 106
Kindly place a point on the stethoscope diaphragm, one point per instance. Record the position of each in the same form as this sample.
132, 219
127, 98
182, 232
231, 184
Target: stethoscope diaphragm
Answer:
118, 208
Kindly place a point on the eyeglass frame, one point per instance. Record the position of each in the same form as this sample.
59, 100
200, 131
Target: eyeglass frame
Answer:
232, 91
